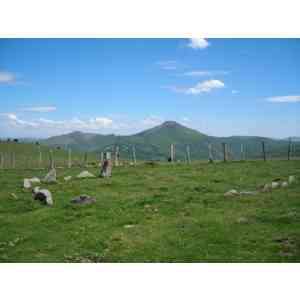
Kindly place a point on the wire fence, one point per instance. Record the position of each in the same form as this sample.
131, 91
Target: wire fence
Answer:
45, 158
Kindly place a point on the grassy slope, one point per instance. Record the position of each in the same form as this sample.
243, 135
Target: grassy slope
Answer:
155, 143
179, 211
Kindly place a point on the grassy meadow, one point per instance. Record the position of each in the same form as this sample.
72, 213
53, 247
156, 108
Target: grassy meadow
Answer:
159, 213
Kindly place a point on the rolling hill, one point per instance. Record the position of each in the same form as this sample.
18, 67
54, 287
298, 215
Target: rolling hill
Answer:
155, 143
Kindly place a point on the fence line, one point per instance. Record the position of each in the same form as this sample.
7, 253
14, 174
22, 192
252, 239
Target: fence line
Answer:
216, 152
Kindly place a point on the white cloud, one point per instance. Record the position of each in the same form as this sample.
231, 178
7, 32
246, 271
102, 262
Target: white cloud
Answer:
40, 109
204, 73
205, 87
284, 99
12, 120
7, 77
198, 43
151, 121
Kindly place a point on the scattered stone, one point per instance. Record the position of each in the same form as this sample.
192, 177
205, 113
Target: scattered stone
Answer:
275, 184
248, 192
291, 179
129, 226
267, 187
35, 180
43, 195
27, 183
85, 174
50, 177
231, 193
14, 195
67, 178
83, 199
284, 184
277, 179
242, 220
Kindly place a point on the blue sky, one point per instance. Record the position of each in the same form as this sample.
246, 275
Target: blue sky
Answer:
220, 87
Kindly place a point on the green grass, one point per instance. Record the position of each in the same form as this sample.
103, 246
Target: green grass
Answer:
27, 155
178, 211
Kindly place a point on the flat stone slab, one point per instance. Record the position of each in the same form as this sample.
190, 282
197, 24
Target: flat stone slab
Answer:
85, 174
83, 199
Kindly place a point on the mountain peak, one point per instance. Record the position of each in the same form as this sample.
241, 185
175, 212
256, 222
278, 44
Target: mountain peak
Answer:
170, 124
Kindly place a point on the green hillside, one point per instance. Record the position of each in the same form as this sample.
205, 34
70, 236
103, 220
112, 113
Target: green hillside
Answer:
155, 143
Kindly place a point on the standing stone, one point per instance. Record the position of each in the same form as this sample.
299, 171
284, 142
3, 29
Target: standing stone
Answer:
106, 167
51, 176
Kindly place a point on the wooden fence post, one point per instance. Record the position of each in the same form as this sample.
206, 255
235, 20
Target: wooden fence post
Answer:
210, 155
188, 154
117, 156
40, 157
289, 149
172, 153
133, 155
51, 159
13, 160
263, 150
69, 158
224, 152
242, 152
1, 161
85, 160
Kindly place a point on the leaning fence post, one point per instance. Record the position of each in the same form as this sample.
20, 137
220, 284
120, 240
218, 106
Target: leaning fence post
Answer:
188, 154
210, 155
133, 155
263, 150
289, 149
224, 152
69, 158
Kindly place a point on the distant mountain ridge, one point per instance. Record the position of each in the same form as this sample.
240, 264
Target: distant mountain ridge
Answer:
154, 143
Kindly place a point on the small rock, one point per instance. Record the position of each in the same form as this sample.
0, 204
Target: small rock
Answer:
27, 183
35, 180
14, 195
231, 193
267, 187
275, 184
291, 179
284, 184
242, 220
67, 178
248, 192
83, 199
50, 177
129, 226
43, 196
85, 174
